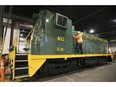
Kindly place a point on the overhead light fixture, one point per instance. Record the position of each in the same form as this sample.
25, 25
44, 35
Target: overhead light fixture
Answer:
47, 20
91, 31
114, 20
21, 35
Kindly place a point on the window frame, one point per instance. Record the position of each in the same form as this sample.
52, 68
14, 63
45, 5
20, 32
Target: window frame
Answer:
56, 22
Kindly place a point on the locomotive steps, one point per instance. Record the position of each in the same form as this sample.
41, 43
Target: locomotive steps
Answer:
21, 66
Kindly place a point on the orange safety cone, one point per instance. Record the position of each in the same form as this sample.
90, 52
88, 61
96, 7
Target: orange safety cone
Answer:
2, 70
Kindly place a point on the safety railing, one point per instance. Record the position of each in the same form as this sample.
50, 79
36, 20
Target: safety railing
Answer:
26, 43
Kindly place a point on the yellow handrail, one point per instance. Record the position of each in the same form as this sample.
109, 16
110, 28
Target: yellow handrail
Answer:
28, 36
15, 43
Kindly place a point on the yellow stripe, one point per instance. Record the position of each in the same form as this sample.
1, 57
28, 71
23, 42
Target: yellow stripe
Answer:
66, 56
36, 61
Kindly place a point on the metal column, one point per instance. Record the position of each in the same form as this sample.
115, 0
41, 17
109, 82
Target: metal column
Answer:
1, 27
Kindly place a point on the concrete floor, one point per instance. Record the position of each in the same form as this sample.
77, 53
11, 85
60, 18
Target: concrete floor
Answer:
104, 73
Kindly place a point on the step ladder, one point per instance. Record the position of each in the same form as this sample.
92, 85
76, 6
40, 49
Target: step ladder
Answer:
21, 66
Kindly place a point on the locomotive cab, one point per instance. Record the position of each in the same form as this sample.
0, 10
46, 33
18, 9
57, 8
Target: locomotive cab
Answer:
51, 34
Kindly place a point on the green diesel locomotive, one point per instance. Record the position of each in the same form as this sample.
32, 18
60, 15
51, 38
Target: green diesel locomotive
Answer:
51, 48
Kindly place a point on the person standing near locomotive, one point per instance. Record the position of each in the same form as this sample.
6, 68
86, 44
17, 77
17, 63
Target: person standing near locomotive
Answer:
79, 42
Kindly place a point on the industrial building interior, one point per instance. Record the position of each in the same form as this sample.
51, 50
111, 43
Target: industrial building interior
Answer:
100, 18
99, 21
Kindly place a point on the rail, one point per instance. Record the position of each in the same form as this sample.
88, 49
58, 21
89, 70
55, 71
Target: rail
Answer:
29, 34
26, 43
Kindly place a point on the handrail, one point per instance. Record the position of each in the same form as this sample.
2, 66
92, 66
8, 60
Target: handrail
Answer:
15, 43
29, 34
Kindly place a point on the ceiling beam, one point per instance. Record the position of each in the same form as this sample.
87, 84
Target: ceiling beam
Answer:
19, 18
94, 13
